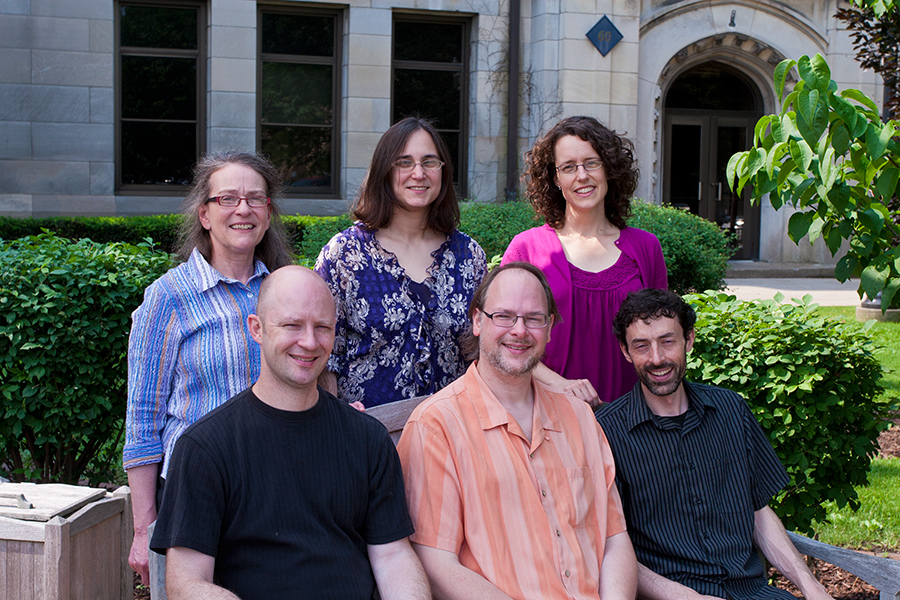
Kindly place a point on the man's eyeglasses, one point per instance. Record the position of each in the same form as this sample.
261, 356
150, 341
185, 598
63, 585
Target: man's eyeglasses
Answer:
589, 165
507, 320
232, 201
429, 164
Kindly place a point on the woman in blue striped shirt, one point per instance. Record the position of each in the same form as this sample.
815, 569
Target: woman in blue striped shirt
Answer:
190, 349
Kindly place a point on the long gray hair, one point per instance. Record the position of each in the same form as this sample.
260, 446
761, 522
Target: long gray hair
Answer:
274, 250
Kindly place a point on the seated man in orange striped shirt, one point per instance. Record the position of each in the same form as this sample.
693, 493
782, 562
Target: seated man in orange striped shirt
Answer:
511, 485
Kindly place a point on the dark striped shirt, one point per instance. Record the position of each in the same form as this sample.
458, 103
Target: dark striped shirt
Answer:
690, 491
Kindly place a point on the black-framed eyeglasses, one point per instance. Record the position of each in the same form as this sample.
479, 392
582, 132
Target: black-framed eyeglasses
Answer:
407, 164
507, 320
232, 201
589, 165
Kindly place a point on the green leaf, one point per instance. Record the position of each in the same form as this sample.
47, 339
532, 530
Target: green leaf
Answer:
861, 98
845, 110
759, 131
807, 103
730, 169
873, 220
799, 224
840, 137
802, 153
886, 186
839, 198
774, 154
845, 268
875, 142
756, 160
781, 74
888, 293
822, 71
815, 229
873, 278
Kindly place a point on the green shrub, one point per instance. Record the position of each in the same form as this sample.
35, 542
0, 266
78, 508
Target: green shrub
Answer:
162, 229
813, 384
495, 225
66, 310
696, 250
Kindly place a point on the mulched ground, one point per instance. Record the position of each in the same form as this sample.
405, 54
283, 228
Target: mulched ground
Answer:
840, 584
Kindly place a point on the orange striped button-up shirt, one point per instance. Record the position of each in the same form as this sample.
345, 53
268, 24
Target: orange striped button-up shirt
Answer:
531, 518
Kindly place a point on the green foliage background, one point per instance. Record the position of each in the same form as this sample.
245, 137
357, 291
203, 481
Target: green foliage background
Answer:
66, 310
812, 382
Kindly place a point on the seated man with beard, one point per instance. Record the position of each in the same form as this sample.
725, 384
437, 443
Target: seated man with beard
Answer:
695, 471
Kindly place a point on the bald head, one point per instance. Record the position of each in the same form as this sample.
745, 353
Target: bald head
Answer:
294, 285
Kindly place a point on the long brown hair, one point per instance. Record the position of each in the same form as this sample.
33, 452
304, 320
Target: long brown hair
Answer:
274, 249
375, 204
616, 152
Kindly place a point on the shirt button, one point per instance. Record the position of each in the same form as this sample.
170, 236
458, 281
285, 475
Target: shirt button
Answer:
558, 533
697, 500
567, 573
544, 493
531, 455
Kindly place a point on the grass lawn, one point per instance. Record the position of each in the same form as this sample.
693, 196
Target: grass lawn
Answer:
876, 525
887, 336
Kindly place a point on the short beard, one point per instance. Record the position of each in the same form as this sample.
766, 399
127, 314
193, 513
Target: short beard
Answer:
495, 359
663, 389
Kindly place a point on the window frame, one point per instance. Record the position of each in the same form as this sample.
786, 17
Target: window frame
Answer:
463, 68
200, 55
334, 192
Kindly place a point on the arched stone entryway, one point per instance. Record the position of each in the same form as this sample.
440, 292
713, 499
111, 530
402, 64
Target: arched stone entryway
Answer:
713, 93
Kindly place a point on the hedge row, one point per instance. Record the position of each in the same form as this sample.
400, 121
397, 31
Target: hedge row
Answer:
696, 250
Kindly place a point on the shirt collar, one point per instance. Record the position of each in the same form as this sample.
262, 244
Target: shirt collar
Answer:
208, 277
492, 414
638, 412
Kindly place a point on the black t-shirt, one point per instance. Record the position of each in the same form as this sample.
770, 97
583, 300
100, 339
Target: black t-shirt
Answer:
285, 501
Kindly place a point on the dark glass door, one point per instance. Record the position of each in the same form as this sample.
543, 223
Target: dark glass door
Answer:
698, 147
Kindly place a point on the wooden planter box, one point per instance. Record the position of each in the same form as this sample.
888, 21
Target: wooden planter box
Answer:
65, 549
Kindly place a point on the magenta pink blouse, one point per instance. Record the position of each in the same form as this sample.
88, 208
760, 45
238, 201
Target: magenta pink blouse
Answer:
583, 346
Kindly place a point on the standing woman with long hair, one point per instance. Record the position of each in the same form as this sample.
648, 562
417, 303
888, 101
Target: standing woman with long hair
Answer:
190, 349
580, 178
402, 275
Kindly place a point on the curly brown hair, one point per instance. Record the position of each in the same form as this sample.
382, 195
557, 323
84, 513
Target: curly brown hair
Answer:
376, 202
616, 152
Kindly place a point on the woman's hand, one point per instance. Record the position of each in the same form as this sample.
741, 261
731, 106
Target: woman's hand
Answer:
580, 388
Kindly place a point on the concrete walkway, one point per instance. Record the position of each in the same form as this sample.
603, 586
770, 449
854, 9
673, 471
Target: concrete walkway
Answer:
825, 292
752, 280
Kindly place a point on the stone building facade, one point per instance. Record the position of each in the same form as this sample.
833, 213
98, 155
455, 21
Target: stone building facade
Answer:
104, 104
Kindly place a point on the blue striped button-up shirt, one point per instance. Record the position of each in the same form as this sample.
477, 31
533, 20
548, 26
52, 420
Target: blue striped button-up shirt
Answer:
190, 350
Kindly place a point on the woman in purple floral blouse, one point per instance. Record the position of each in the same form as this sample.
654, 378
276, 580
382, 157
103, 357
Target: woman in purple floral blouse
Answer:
402, 275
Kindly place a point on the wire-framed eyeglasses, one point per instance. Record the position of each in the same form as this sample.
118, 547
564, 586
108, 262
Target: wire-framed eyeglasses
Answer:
407, 164
589, 165
507, 320
232, 201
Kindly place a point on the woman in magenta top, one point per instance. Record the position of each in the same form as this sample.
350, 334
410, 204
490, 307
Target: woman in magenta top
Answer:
580, 178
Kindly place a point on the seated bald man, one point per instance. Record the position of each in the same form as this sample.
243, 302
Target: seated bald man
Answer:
284, 491
511, 483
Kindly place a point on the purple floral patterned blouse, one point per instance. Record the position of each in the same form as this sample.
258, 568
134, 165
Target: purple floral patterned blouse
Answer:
393, 342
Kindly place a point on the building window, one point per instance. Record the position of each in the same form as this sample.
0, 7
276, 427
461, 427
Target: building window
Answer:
159, 74
299, 96
430, 79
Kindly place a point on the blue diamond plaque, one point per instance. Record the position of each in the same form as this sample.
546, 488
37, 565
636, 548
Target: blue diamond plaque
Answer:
604, 35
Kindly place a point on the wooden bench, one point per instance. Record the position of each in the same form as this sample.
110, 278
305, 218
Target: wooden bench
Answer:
881, 573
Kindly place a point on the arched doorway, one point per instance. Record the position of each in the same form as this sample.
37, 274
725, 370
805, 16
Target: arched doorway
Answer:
710, 112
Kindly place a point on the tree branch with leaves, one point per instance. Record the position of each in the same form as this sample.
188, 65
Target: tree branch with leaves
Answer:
829, 155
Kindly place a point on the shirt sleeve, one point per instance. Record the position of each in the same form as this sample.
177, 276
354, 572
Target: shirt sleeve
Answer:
660, 275
387, 518
193, 505
432, 488
516, 251
329, 268
767, 475
615, 517
152, 354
